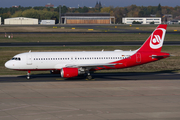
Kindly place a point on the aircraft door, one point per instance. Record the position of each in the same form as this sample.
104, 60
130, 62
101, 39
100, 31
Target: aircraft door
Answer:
29, 59
138, 57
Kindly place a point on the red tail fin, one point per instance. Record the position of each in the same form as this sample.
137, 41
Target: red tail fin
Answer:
155, 41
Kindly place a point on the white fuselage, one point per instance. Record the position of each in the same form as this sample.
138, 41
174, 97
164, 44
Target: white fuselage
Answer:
58, 60
72, 64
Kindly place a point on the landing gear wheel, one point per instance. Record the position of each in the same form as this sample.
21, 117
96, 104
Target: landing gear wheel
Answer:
28, 77
89, 77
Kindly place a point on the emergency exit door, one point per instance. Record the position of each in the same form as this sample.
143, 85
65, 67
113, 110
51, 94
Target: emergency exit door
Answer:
138, 57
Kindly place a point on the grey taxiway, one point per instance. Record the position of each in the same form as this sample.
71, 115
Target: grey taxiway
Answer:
110, 96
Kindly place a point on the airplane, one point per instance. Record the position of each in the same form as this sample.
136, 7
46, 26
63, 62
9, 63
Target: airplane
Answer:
72, 64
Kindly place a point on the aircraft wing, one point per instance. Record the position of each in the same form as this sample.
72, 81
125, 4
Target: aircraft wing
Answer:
94, 65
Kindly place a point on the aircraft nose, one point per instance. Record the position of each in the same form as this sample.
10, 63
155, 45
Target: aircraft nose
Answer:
7, 65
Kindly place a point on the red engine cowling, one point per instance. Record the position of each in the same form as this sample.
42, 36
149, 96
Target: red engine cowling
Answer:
69, 72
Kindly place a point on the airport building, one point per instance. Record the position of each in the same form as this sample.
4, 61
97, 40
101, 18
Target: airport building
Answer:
87, 18
142, 20
175, 21
21, 21
47, 22
49, 5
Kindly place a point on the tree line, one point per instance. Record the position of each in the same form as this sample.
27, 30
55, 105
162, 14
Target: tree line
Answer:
119, 12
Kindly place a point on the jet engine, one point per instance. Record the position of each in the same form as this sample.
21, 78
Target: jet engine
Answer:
71, 72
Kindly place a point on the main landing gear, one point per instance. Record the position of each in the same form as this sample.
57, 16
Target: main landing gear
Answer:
88, 77
28, 75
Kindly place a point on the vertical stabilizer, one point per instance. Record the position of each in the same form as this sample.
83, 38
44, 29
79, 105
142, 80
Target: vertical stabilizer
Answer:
155, 41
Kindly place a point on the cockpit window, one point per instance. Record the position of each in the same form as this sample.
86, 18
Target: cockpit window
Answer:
16, 58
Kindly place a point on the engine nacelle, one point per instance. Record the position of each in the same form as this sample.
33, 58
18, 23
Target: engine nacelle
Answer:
69, 72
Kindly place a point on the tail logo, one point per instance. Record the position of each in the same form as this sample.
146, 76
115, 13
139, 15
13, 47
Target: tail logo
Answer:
157, 38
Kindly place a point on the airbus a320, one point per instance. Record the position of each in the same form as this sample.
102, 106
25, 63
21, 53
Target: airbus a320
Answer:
72, 64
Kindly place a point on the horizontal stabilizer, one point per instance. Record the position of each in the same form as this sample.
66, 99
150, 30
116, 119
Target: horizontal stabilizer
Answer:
159, 56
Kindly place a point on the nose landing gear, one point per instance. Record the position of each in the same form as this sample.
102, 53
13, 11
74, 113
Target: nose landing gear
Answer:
28, 75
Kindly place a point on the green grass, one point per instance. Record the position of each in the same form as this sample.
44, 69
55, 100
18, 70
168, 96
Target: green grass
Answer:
171, 64
86, 37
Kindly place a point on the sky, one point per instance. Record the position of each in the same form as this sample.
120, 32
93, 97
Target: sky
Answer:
89, 3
